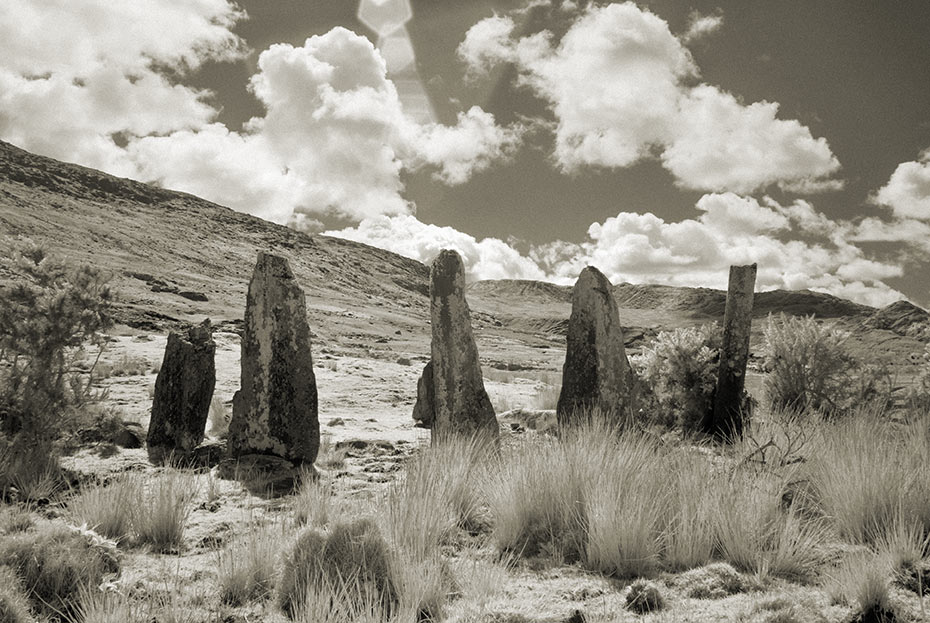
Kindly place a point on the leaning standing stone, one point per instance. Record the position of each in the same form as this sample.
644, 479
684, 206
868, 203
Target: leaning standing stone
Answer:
597, 374
275, 409
460, 403
183, 390
729, 398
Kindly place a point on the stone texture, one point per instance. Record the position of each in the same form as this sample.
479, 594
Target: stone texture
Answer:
424, 411
460, 403
275, 409
183, 390
597, 373
730, 402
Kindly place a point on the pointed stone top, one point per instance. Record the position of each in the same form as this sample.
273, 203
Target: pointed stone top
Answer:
274, 265
592, 278
447, 274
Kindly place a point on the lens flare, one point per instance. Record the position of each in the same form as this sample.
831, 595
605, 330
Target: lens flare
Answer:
388, 18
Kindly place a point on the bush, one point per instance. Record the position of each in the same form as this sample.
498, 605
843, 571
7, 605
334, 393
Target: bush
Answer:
55, 563
353, 559
680, 370
46, 317
808, 365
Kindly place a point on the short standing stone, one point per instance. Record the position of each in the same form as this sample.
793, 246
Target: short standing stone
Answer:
183, 390
275, 409
424, 411
460, 403
597, 374
730, 402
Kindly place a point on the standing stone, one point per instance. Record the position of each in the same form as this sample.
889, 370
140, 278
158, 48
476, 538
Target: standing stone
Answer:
597, 373
460, 404
183, 390
726, 422
275, 409
424, 411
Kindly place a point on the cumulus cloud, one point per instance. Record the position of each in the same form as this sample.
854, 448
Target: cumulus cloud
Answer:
644, 248
73, 75
489, 258
907, 192
96, 84
623, 88
700, 26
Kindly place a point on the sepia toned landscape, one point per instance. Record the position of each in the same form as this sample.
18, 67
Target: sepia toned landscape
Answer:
499, 311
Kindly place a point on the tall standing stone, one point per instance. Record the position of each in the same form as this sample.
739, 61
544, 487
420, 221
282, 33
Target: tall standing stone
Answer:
275, 409
726, 422
183, 390
452, 380
597, 373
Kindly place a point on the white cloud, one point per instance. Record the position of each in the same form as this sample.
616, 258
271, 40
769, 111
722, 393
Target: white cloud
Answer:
489, 258
622, 89
88, 82
907, 192
74, 74
701, 26
643, 248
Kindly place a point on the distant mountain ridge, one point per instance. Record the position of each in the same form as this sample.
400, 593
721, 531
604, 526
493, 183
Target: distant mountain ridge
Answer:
177, 258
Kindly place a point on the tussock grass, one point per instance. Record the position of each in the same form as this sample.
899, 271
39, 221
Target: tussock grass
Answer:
15, 518
312, 503
869, 474
693, 506
54, 564
160, 513
247, 569
14, 606
108, 509
861, 580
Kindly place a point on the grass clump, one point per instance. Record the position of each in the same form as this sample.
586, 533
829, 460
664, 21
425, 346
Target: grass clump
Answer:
861, 581
312, 503
108, 509
644, 596
14, 605
15, 518
352, 560
161, 511
869, 475
247, 570
714, 581
54, 564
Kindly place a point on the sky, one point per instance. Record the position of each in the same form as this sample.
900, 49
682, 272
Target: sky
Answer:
661, 141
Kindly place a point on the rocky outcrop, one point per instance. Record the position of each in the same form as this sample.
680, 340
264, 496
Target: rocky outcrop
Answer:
183, 390
275, 409
451, 397
597, 373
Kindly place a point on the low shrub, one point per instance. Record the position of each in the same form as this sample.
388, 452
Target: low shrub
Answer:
679, 369
808, 365
54, 564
